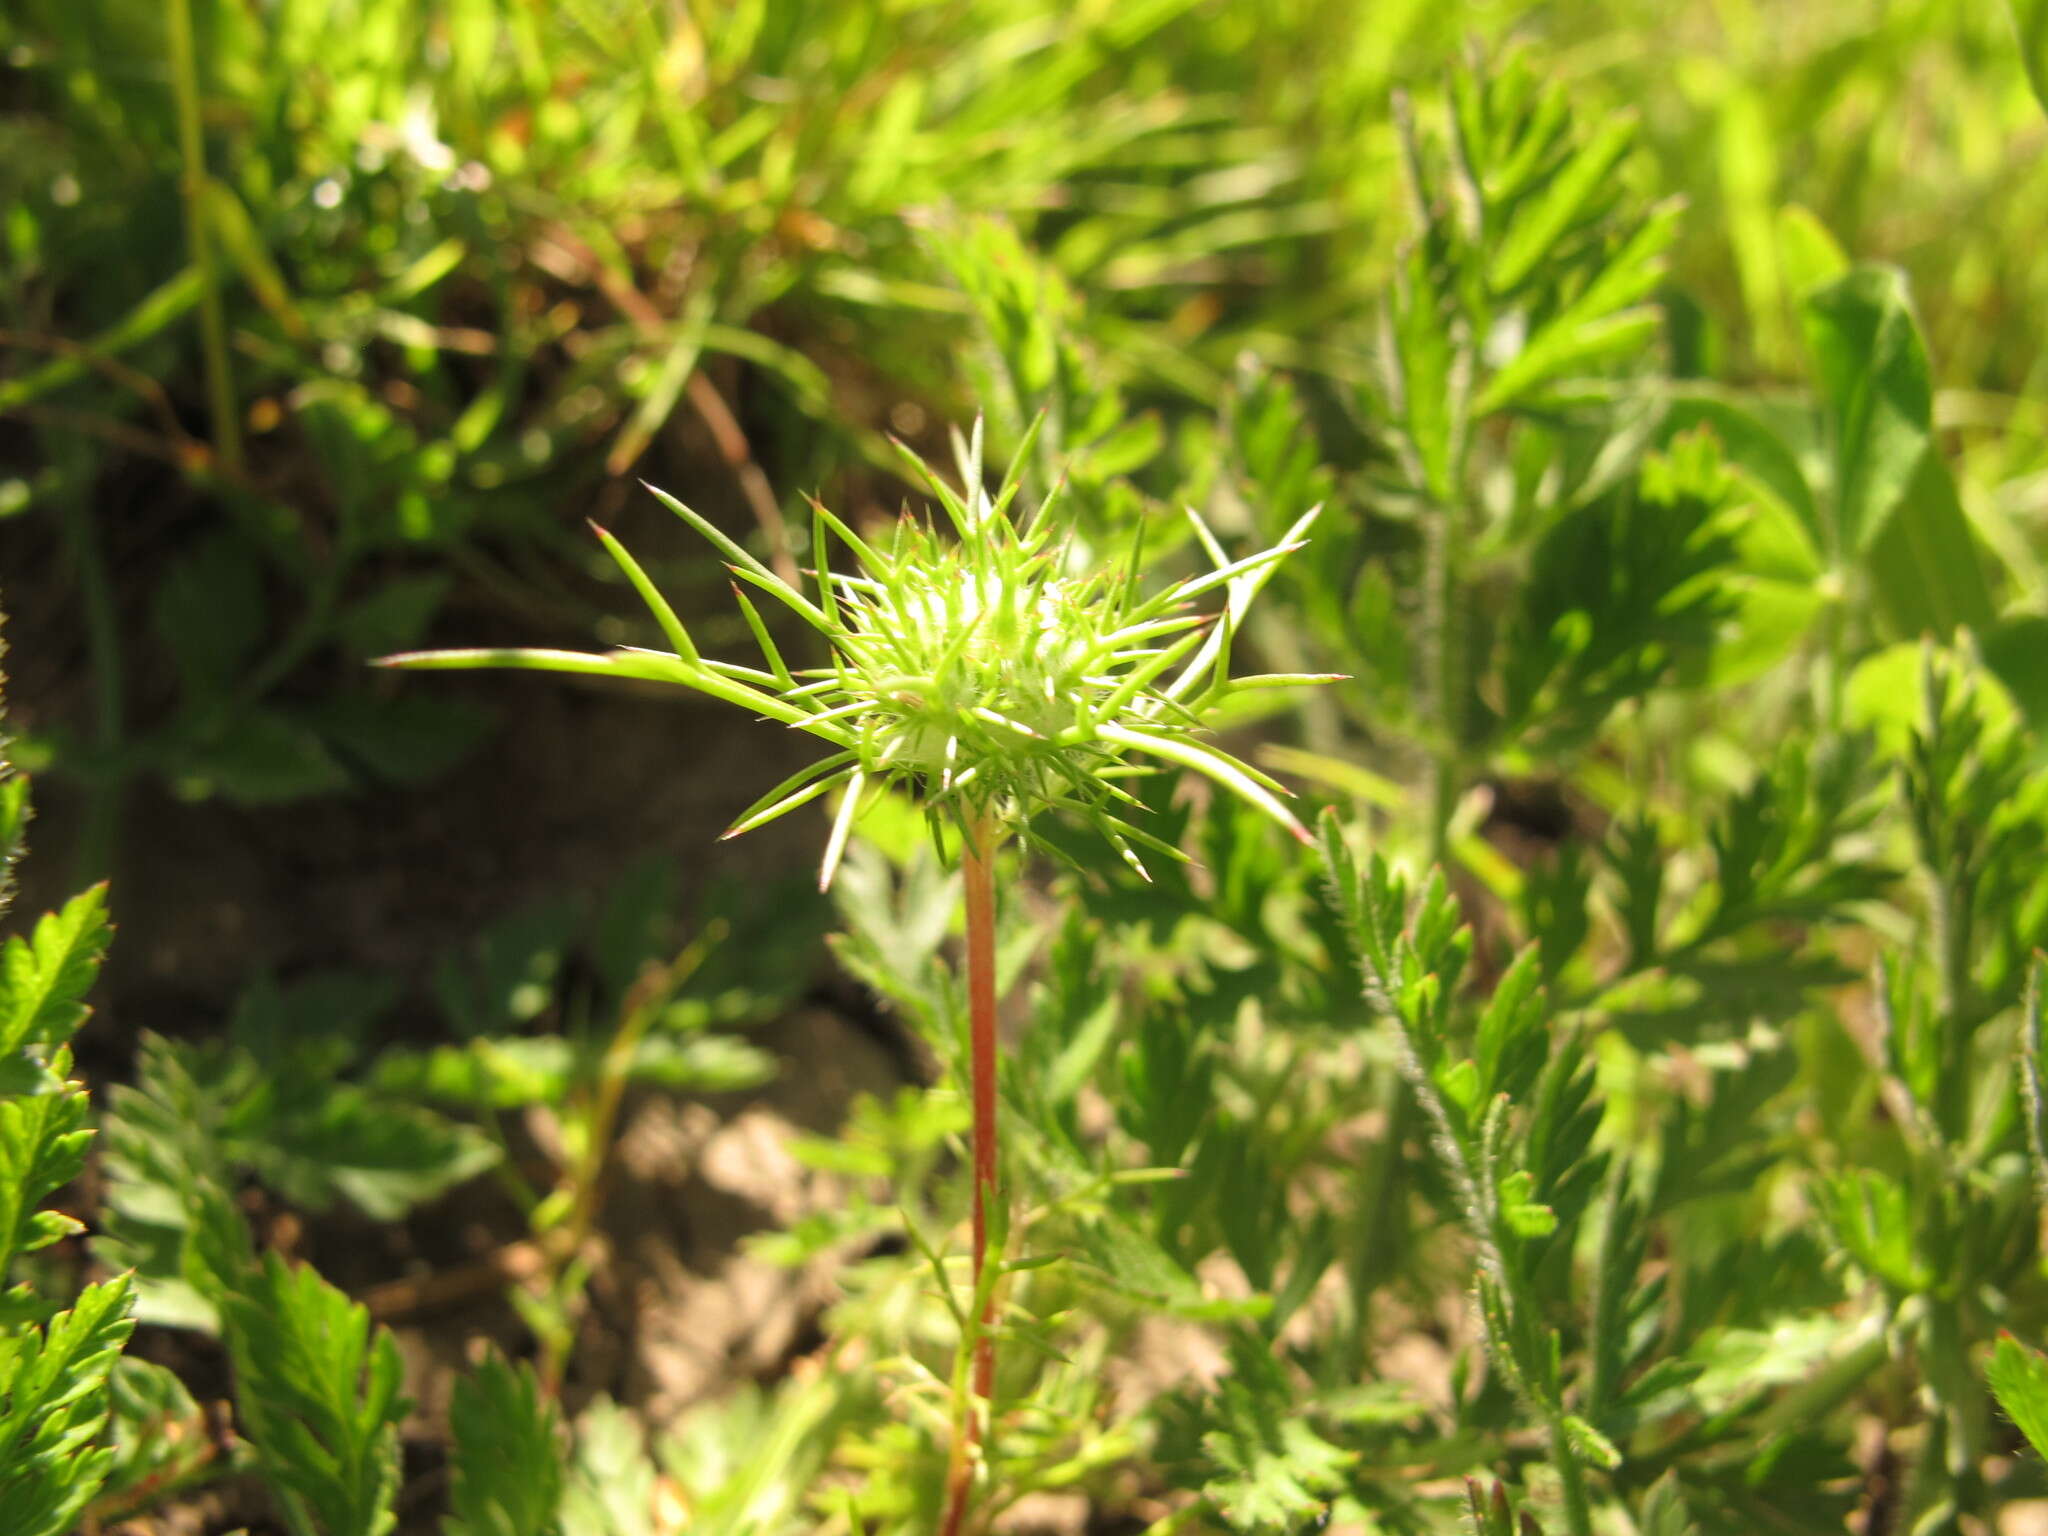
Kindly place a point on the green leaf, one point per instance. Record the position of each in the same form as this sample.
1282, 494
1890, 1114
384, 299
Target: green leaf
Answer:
1520, 1213
1878, 392
1129, 1263
160, 1161
392, 616
53, 1407
265, 757
1775, 591
318, 1392
2016, 651
1883, 697
1426, 359
2019, 1380
210, 614
1572, 194
486, 1072
1166, 1073
201, 1117
506, 976
508, 1462
43, 1137
1272, 1472
44, 977
1275, 1483
385, 1158
1664, 1511
611, 1477
699, 1063
1509, 1045
1754, 448
1590, 1444
1871, 1215
1076, 1016
160, 1435
2030, 21
1807, 250
1924, 566
408, 739
1607, 321
751, 1461
327, 1014
1523, 1350
1622, 593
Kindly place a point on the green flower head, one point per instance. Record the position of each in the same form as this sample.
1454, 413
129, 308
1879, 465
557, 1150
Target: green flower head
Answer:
972, 664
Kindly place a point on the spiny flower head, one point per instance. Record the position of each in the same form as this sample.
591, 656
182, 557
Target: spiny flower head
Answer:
970, 664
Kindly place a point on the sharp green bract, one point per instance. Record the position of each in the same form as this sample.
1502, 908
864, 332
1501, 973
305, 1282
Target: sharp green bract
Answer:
998, 669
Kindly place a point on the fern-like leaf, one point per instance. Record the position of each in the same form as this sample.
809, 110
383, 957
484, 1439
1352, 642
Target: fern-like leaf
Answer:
508, 1455
53, 1406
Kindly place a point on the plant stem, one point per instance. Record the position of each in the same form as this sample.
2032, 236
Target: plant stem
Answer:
1961, 1405
1383, 1196
220, 391
1949, 917
1444, 627
977, 868
1578, 1512
591, 1168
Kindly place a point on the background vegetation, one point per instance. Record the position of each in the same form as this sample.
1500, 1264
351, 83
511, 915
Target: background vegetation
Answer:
1669, 378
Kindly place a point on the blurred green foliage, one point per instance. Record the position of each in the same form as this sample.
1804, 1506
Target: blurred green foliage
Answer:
320, 318
1666, 986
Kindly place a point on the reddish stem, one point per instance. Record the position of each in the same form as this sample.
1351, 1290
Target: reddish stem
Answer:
977, 867
979, 871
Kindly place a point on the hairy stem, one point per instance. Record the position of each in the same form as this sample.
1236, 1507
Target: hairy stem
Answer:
1578, 1512
1383, 1196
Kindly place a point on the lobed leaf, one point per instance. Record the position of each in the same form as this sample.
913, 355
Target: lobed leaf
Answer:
508, 1463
